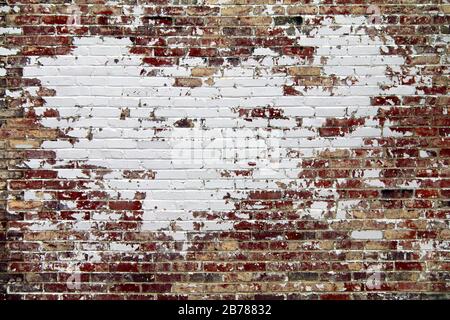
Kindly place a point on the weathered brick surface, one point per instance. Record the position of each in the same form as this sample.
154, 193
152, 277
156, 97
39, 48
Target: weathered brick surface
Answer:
224, 149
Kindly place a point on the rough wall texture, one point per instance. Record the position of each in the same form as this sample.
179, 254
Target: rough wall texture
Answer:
292, 149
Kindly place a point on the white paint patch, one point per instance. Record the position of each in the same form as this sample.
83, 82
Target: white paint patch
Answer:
8, 52
100, 79
10, 30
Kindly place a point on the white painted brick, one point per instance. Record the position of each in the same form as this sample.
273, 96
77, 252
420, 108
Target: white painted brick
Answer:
99, 79
367, 235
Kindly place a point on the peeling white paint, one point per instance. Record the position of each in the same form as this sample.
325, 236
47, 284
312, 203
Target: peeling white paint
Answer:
100, 78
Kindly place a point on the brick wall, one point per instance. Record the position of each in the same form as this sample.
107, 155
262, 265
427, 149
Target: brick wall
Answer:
293, 149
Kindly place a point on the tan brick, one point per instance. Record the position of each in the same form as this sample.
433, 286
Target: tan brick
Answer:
422, 60
43, 133
43, 235
441, 81
355, 266
236, 10
401, 214
376, 245
256, 21
316, 81
444, 234
219, 288
339, 153
304, 71
24, 205
302, 10
203, 72
239, 277
398, 234
188, 82
228, 245
326, 245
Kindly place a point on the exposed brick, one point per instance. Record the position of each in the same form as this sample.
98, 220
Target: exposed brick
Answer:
188, 82
304, 71
203, 72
